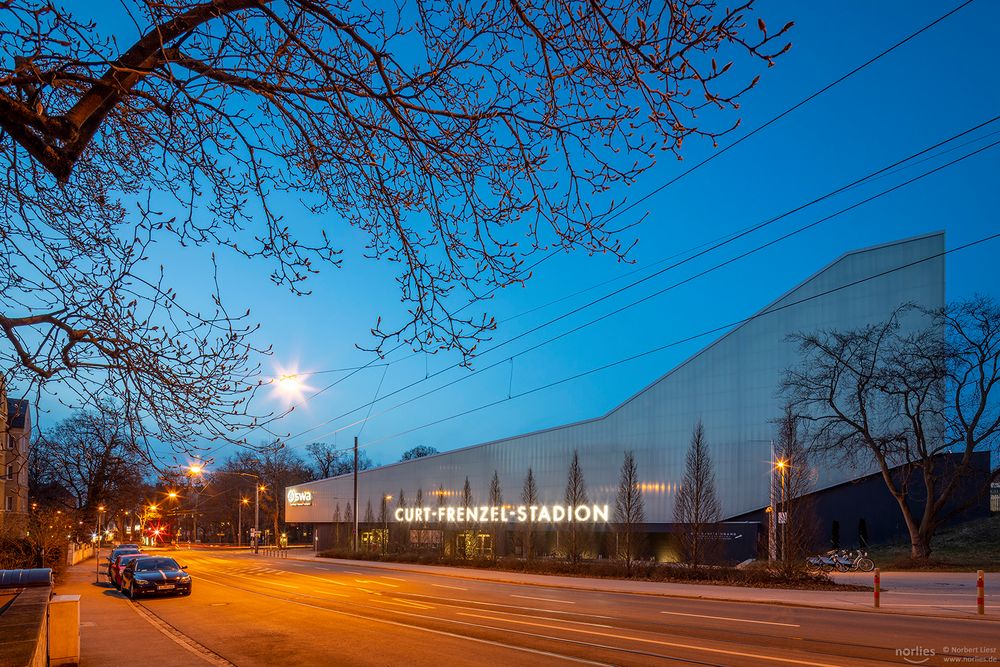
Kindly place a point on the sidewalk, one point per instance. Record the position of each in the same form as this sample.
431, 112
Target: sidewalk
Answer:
112, 633
928, 597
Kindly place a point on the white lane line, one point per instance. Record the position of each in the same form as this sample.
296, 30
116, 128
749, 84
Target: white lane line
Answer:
730, 618
404, 603
511, 606
354, 572
441, 633
528, 597
658, 642
375, 581
340, 595
457, 588
382, 576
275, 583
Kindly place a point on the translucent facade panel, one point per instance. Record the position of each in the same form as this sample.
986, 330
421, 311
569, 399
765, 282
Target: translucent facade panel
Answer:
731, 385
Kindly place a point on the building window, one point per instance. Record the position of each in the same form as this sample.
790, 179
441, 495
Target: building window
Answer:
9, 504
11, 441
10, 471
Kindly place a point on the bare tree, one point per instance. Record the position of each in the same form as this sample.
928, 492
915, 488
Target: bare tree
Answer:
418, 452
445, 134
902, 398
529, 496
91, 456
496, 500
349, 522
630, 512
329, 461
277, 467
696, 507
576, 494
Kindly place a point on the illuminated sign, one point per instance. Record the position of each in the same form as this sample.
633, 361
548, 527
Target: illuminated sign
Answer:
298, 498
505, 514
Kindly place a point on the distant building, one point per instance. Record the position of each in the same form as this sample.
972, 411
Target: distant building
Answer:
15, 440
731, 386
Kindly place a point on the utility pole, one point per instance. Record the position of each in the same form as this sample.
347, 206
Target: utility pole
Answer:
355, 493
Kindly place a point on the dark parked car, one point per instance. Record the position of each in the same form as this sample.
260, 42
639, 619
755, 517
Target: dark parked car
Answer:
117, 551
155, 574
118, 567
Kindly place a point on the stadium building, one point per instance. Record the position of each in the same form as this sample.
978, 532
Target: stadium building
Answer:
731, 386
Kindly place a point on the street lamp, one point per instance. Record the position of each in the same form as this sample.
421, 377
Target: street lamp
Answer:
256, 514
100, 511
239, 529
782, 465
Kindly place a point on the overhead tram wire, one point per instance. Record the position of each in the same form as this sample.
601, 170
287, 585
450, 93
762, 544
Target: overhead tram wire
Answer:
684, 340
673, 286
716, 267
784, 113
616, 211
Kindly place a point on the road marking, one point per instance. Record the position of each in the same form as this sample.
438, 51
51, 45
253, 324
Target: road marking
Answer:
729, 618
341, 595
707, 649
373, 581
404, 603
443, 633
276, 583
528, 597
367, 590
511, 606
353, 572
393, 578
457, 588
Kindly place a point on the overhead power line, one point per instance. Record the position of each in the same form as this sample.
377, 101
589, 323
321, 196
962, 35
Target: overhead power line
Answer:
686, 339
617, 211
689, 279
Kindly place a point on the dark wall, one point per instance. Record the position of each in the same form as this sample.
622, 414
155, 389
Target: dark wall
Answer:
863, 511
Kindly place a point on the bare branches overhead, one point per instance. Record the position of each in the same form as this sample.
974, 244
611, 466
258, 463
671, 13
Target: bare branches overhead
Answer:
456, 139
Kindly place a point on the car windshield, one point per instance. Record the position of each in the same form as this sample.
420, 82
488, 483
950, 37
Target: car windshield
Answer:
151, 564
129, 550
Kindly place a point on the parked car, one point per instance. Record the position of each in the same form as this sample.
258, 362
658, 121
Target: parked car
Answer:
118, 566
119, 550
150, 575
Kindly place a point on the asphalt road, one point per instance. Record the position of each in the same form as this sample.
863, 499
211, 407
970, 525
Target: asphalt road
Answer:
251, 610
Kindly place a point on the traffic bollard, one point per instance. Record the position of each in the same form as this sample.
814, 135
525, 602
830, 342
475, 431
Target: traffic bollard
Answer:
878, 579
980, 592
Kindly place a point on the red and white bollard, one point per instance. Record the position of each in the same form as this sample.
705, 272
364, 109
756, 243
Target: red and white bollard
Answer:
878, 579
980, 592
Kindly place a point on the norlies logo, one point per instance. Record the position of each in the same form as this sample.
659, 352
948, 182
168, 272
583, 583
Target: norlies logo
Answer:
297, 498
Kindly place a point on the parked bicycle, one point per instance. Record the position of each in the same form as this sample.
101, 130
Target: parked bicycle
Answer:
841, 560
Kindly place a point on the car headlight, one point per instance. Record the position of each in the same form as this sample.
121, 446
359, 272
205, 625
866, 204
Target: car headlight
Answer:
143, 582
183, 580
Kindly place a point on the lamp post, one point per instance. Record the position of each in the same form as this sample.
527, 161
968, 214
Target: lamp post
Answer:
256, 515
782, 466
100, 511
239, 529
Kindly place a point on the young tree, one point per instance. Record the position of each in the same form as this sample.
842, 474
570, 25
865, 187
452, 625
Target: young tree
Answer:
576, 494
349, 522
630, 512
338, 528
496, 500
697, 504
529, 496
444, 134
418, 452
891, 397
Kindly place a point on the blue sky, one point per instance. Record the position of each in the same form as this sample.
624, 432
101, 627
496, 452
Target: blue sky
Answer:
937, 85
